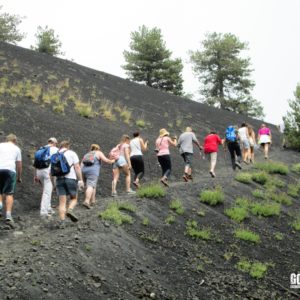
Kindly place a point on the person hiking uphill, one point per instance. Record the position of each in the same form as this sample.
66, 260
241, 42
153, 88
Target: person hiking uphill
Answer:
211, 143
244, 139
231, 138
186, 149
252, 141
67, 184
10, 172
90, 168
122, 163
163, 154
137, 147
265, 139
42, 175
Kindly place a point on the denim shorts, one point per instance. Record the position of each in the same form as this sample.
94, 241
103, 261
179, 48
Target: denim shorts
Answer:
187, 157
246, 144
7, 182
121, 162
66, 186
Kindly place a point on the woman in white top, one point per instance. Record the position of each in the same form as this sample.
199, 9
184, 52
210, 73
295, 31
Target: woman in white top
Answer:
244, 138
137, 147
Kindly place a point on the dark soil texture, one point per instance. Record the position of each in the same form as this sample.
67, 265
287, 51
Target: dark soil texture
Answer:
95, 259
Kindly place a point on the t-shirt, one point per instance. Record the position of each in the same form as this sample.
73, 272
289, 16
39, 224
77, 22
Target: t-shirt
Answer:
211, 143
185, 142
53, 150
135, 147
264, 131
9, 154
163, 145
243, 133
122, 149
72, 159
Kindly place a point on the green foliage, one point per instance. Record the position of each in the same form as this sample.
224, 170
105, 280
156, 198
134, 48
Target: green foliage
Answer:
84, 109
153, 190
59, 108
256, 269
293, 190
125, 114
225, 75
265, 209
260, 194
244, 177
296, 168
260, 177
247, 235
113, 213
278, 236
281, 198
140, 123
237, 214
273, 167
193, 231
9, 28
47, 41
296, 224
170, 219
242, 202
292, 121
212, 197
275, 182
127, 206
177, 206
149, 61
106, 109
145, 221
149, 237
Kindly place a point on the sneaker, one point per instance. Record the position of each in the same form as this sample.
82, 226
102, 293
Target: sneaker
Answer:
51, 212
131, 192
92, 204
61, 224
164, 182
86, 205
185, 178
245, 162
71, 215
10, 222
136, 184
114, 194
212, 174
238, 165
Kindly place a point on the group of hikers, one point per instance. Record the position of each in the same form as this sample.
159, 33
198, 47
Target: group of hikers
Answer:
61, 167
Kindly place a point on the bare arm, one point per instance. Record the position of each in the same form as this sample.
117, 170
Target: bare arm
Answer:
127, 156
78, 171
101, 156
144, 145
172, 142
19, 170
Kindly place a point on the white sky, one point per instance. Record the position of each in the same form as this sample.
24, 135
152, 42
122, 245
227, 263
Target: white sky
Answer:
95, 33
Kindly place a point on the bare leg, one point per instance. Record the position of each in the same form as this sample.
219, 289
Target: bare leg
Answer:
127, 178
88, 194
266, 150
73, 202
9, 203
62, 207
93, 200
116, 174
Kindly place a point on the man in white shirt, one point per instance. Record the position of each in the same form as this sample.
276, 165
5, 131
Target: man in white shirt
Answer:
67, 185
43, 177
10, 172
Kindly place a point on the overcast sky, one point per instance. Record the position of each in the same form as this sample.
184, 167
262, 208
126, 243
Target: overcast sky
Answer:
95, 33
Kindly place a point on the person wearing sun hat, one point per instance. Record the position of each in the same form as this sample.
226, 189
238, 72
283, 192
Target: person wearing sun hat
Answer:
163, 153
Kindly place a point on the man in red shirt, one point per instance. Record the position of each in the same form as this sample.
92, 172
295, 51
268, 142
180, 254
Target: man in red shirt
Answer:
211, 143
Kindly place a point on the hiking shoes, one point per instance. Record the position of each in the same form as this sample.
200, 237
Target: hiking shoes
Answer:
114, 194
185, 178
131, 192
10, 222
164, 182
86, 205
212, 174
71, 215
238, 165
190, 177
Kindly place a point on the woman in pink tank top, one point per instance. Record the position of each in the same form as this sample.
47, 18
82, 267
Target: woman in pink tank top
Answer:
264, 139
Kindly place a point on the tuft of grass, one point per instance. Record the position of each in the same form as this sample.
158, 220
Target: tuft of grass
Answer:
178, 122
145, 221
51, 96
256, 269
273, 167
59, 108
113, 213
293, 190
106, 109
177, 206
237, 214
274, 181
295, 168
153, 190
125, 114
244, 177
201, 213
296, 224
170, 219
88, 247
193, 231
260, 194
281, 198
84, 109
247, 235
266, 209
278, 236
140, 123
127, 206
33, 92
260, 177
212, 197
149, 237
242, 202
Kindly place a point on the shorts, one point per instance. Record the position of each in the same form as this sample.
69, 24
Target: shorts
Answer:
245, 144
66, 187
121, 162
264, 139
187, 157
7, 182
213, 157
91, 180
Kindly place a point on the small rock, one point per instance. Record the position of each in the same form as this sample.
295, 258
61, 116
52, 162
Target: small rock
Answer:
106, 224
152, 295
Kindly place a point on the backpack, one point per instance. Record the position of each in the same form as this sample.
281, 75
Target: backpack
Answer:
59, 164
89, 159
42, 158
115, 153
230, 134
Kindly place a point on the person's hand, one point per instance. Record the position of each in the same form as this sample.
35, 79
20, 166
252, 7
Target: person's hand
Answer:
129, 167
80, 185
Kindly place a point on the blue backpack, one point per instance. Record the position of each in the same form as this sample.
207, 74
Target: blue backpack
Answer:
230, 134
59, 164
42, 158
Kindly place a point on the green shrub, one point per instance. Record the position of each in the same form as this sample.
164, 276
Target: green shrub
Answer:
281, 198
242, 202
296, 168
260, 194
256, 270
170, 219
125, 114
145, 222
293, 190
193, 231
265, 209
113, 213
140, 123
236, 213
176, 205
247, 235
212, 197
127, 206
276, 182
244, 177
84, 109
153, 190
273, 167
59, 108
296, 224
278, 236
260, 177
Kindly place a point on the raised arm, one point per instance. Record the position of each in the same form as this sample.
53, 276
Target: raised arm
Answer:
144, 145
102, 157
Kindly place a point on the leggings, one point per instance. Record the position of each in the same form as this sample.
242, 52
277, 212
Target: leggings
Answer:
138, 167
234, 150
165, 163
